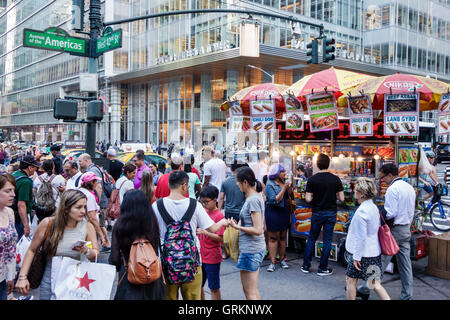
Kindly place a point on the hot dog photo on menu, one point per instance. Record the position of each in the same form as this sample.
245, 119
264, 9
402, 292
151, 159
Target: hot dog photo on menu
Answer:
263, 124
261, 107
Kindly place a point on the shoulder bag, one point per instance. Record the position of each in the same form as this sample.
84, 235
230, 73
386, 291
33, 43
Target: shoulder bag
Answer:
39, 263
389, 246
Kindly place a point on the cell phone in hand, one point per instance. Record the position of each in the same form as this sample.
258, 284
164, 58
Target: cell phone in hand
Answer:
80, 243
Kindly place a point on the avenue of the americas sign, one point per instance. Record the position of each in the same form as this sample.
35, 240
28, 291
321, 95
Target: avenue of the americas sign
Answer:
55, 39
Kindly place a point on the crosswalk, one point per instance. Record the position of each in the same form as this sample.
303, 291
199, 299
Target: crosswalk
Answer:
427, 225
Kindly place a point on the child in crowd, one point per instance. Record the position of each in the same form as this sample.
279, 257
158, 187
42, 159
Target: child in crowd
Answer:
210, 249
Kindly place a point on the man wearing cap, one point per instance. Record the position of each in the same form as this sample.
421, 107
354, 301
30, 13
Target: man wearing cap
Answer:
140, 168
163, 190
427, 181
58, 158
115, 166
23, 202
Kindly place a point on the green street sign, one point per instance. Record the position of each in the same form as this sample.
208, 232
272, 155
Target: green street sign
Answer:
55, 39
109, 41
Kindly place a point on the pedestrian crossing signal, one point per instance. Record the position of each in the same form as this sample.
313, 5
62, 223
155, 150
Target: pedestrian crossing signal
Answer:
65, 109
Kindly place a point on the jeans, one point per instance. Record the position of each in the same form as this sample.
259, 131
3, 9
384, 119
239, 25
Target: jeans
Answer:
20, 229
402, 234
319, 219
3, 295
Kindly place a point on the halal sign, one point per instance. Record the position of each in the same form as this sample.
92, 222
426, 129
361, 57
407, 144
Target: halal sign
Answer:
403, 85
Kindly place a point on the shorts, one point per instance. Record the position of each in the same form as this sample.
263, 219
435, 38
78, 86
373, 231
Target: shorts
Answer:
428, 189
211, 272
250, 261
370, 267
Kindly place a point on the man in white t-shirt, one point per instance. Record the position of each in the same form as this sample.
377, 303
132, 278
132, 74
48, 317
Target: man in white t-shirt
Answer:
176, 204
74, 175
260, 168
215, 170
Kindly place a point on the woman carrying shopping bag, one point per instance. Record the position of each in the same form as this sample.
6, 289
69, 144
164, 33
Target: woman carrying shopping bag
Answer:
67, 227
137, 221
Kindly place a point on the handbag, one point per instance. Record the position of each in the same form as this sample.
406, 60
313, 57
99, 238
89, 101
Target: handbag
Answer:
37, 267
389, 246
82, 280
231, 242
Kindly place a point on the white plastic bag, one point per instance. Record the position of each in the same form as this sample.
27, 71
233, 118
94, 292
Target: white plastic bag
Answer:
21, 249
424, 164
77, 280
34, 225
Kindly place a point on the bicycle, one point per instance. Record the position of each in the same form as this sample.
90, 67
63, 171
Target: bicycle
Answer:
438, 211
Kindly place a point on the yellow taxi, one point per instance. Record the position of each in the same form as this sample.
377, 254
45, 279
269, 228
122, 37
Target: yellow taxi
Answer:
148, 157
73, 154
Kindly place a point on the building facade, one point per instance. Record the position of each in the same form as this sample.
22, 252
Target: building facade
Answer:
172, 73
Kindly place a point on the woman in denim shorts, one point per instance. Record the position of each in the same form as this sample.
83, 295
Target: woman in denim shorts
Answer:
252, 245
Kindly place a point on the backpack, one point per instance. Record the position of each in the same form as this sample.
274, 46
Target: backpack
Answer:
180, 256
144, 266
45, 203
107, 182
114, 203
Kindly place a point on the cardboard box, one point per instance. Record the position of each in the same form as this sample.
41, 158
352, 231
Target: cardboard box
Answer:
439, 256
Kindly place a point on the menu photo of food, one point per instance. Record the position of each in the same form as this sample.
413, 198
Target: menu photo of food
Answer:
403, 156
444, 104
262, 107
246, 123
401, 125
294, 121
403, 170
412, 170
359, 105
361, 126
235, 108
263, 124
444, 124
369, 151
292, 103
236, 123
386, 152
401, 103
300, 149
317, 99
312, 149
324, 121
413, 155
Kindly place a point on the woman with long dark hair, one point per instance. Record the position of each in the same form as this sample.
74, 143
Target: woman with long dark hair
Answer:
68, 227
252, 245
137, 220
147, 186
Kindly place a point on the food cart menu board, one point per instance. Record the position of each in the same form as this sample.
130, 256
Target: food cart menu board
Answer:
292, 103
295, 120
407, 163
235, 108
236, 123
401, 114
263, 123
322, 111
361, 116
444, 115
262, 107
348, 151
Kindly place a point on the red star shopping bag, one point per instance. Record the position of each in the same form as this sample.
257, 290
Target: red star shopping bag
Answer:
75, 280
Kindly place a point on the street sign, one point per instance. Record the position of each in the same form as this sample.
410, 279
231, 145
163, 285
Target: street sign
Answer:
55, 39
109, 41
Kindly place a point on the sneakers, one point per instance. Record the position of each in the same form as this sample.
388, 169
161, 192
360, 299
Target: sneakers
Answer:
271, 268
283, 264
25, 298
105, 249
304, 269
326, 272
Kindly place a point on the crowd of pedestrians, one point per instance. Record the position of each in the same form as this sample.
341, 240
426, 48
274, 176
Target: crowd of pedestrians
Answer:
71, 201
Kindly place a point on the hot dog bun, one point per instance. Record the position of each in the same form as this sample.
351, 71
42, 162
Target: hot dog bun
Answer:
268, 126
257, 126
302, 226
258, 108
303, 215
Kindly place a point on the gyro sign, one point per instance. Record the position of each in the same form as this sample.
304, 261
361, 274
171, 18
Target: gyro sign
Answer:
401, 114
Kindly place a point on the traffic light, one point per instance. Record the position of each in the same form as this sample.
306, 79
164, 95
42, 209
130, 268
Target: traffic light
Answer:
77, 14
95, 110
314, 52
65, 109
328, 49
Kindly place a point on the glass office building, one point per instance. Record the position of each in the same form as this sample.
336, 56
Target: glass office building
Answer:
172, 73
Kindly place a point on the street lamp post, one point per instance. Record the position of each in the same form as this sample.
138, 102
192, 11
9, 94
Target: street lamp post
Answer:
263, 71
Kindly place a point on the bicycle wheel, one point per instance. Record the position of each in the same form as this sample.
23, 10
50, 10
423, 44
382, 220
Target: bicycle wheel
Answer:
440, 220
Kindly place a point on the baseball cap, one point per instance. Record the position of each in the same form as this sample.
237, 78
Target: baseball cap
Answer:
89, 176
111, 152
31, 161
176, 159
430, 154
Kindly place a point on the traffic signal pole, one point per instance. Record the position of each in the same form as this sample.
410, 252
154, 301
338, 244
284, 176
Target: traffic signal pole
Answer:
96, 25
